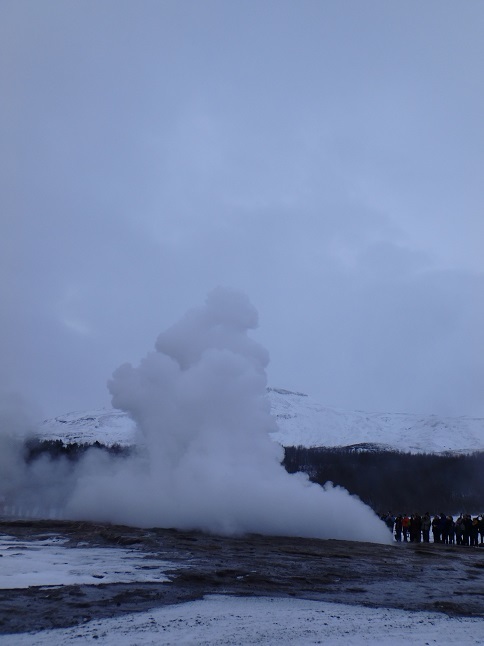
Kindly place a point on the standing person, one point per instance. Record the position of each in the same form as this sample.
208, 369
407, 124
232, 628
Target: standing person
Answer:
450, 526
398, 528
459, 530
466, 540
481, 528
444, 537
411, 529
417, 528
436, 529
475, 532
426, 522
405, 527
389, 521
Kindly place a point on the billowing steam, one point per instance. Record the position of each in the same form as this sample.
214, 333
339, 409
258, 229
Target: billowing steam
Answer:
206, 459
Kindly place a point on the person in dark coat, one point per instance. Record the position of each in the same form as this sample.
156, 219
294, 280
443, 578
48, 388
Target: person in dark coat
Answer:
466, 539
459, 530
475, 532
426, 522
436, 529
444, 536
450, 529
389, 521
417, 528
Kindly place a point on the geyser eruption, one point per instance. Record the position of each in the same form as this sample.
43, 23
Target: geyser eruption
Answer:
208, 462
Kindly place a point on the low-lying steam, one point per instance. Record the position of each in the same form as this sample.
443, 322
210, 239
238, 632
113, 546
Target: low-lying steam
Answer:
206, 460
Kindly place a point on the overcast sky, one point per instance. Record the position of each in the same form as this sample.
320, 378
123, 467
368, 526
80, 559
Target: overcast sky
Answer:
325, 157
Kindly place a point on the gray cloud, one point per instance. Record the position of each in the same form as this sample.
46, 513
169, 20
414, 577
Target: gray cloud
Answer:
326, 159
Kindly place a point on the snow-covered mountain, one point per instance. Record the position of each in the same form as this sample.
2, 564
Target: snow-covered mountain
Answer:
302, 422
107, 425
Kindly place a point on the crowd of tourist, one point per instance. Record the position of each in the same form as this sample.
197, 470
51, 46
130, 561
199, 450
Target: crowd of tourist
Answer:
464, 530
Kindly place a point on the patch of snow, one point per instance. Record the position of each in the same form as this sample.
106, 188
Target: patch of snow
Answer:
218, 620
50, 563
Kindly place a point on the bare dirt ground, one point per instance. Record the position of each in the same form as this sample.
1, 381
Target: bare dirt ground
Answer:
430, 577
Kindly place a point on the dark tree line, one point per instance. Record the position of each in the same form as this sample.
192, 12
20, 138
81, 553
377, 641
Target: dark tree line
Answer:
56, 449
385, 480
401, 482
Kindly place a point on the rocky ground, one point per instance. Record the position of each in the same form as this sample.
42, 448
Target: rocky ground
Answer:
449, 579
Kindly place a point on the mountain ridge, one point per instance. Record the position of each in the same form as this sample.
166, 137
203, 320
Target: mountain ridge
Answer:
301, 421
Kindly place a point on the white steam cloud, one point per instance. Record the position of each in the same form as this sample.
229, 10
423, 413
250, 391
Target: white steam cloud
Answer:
201, 402
206, 460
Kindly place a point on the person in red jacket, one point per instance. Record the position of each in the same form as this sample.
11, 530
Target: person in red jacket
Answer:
405, 527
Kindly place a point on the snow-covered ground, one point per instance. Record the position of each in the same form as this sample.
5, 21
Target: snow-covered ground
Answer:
218, 620
215, 620
301, 422
226, 619
49, 562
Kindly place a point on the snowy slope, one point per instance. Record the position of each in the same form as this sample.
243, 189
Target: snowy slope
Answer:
302, 422
108, 426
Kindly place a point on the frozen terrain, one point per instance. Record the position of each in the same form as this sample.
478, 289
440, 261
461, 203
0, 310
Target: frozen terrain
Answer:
218, 620
301, 422
72, 583
49, 562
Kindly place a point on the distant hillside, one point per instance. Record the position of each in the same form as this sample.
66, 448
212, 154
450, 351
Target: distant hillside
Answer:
385, 480
302, 422
390, 460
